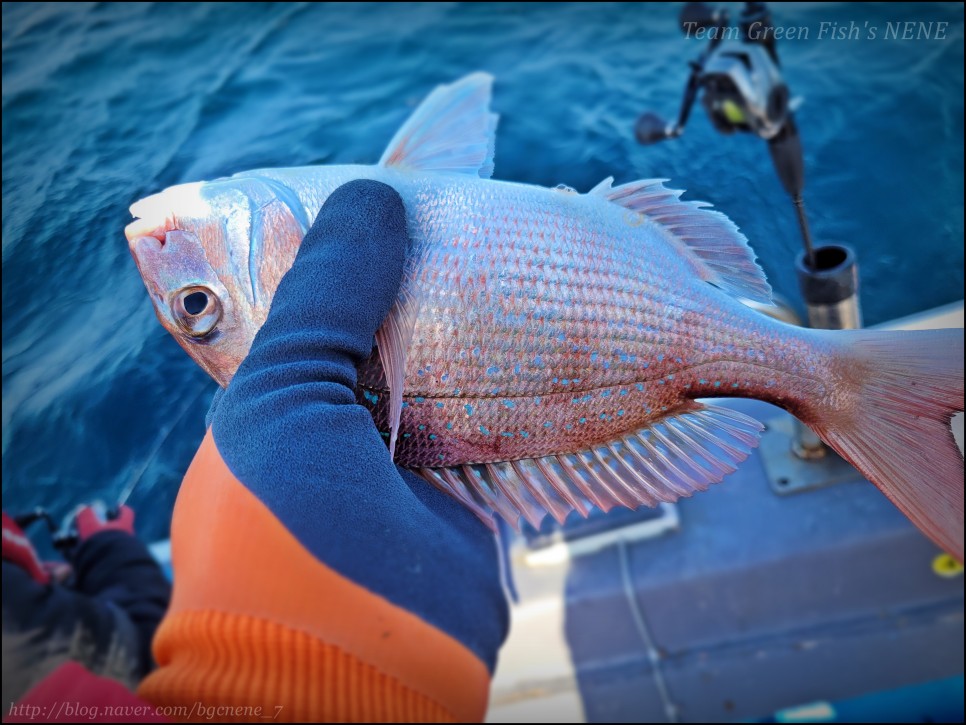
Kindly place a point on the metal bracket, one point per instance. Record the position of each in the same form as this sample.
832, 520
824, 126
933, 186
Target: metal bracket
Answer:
786, 472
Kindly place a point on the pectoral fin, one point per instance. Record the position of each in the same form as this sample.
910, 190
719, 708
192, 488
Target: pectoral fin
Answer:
393, 339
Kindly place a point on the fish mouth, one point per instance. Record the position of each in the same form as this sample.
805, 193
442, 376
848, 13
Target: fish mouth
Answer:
142, 246
151, 219
144, 229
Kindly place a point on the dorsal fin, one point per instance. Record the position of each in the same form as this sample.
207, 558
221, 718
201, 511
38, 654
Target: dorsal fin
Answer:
709, 240
683, 453
452, 131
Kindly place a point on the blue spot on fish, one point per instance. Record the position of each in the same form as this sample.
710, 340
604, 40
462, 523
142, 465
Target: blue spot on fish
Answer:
420, 399
506, 434
593, 357
469, 409
660, 358
620, 412
422, 427
439, 405
509, 404
582, 420
538, 361
449, 426
717, 383
484, 431
476, 352
432, 436
605, 394
516, 369
524, 434
548, 424
492, 370
640, 386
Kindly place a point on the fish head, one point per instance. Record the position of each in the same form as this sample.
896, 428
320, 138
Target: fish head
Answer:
211, 255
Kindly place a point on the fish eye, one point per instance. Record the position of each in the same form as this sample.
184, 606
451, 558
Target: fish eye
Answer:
196, 310
195, 303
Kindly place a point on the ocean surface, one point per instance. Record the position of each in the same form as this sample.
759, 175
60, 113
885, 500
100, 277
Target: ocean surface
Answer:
105, 103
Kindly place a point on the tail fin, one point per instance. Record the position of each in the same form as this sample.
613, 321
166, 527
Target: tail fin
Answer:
896, 430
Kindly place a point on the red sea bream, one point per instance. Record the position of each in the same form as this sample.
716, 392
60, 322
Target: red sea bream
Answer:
548, 348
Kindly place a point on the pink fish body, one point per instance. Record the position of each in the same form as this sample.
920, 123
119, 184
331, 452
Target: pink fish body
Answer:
548, 347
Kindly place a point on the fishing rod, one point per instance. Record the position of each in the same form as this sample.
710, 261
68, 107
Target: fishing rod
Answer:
64, 536
159, 442
739, 81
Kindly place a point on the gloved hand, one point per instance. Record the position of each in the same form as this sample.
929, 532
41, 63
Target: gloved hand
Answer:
398, 577
89, 522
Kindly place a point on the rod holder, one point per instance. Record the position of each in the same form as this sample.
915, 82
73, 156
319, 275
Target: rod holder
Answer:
831, 288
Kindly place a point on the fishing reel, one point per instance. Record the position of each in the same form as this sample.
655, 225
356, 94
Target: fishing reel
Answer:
737, 76
742, 91
63, 536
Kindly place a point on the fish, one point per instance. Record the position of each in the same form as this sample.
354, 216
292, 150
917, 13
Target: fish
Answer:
551, 351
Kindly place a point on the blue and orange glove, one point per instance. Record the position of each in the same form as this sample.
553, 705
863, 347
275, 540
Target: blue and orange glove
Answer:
313, 578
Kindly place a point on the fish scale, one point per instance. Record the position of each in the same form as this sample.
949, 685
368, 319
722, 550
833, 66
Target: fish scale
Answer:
613, 349
551, 351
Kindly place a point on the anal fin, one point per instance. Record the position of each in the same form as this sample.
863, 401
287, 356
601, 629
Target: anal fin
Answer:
673, 458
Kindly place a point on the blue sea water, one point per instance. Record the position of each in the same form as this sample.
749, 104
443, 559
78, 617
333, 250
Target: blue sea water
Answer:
105, 103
